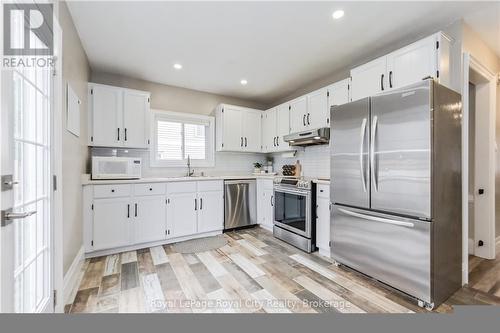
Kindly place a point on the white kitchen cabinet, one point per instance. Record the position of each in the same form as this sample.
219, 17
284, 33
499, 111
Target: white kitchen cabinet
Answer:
369, 79
211, 211
118, 117
149, 213
282, 126
276, 125
269, 130
298, 114
112, 223
428, 57
265, 203
238, 129
317, 109
338, 94
181, 214
323, 219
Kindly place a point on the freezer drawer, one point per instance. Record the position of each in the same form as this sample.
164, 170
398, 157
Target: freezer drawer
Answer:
393, 250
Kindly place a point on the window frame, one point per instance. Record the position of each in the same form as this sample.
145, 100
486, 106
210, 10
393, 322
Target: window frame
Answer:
183, 117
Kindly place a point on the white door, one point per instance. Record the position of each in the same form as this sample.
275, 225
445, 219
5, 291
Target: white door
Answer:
112, 224
369, 79
150, 219
232, 133
323, 225
182, 209
135, 119
106, 116
282, 126
298, 114
210, 211
269, 131
317, 109
412, 63
26, 255
252, 123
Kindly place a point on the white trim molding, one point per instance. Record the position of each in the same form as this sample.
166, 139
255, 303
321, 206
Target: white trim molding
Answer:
73, 277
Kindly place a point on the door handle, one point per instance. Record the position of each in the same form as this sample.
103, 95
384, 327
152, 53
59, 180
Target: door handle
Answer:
272, 197
308, 123
274, 142
118, 134
246, 143
390, 79
376, 218
128, 211
135, 213
382, 82
125, 134
195, 204
372, 153
201, 203
241, 143
8, 215
304, 120
278, 141
361, 153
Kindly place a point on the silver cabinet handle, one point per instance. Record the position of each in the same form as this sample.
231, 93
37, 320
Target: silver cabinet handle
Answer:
376, 218
372, 153
361, 151
15, 216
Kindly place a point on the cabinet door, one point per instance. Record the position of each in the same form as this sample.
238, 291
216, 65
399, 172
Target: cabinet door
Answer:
282, 126
112, 223
323, 224
338, 94
268, 208
269, 143
106, 116
150, 219
252, 124
135, 119
232, 136
181, 214
210, 211
298, 114
412, 63
317, 109
369, 79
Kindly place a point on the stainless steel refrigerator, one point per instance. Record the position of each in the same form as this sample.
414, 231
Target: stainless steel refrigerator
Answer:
396, 189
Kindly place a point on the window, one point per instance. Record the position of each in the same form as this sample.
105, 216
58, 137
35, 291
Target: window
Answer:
177, 136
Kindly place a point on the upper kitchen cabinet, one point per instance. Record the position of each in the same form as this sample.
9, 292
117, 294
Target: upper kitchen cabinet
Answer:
238, 128
338, 94
317, 109
275, 125
428, 57
298, 114
282, 126
118, 117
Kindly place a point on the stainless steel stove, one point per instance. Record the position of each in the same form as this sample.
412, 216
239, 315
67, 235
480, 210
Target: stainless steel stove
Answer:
293, 212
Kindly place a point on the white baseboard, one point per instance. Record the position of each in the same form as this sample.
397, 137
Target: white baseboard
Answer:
73, 276
471, 246
267, 227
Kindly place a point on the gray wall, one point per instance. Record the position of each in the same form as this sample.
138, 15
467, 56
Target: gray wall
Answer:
76, 72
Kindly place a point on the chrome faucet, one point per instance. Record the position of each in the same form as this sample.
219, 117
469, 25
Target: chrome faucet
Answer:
190, 172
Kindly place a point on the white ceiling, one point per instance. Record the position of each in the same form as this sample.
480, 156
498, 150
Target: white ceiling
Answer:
277, 46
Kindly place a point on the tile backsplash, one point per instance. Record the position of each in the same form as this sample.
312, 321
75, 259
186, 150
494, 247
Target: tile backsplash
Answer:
315, 161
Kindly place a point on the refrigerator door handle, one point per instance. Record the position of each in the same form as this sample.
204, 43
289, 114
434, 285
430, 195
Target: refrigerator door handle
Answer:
361, 148
372, 153
376, 218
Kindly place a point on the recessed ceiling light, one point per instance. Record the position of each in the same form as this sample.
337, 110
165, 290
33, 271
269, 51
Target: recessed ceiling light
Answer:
177, 66
244, 82
338, 14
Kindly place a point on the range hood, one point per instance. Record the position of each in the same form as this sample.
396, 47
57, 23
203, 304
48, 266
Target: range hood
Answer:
318, 136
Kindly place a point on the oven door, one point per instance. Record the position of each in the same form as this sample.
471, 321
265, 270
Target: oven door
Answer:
292, 210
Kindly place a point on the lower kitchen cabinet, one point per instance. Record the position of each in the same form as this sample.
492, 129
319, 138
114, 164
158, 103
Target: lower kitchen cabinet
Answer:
323, 219
111, 227
265, 203
211, 211
149, 218
181, 214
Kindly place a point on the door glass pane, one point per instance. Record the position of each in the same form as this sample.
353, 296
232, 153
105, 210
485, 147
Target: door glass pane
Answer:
290, 209
29, 170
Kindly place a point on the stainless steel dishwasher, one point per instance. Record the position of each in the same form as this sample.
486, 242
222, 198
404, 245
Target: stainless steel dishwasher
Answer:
240, 203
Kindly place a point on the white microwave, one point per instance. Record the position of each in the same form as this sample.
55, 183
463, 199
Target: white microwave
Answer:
110, 167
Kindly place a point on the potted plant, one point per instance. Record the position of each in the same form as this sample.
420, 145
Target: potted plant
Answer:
256, 167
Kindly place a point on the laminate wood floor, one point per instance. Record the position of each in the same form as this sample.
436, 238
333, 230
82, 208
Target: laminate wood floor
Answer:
254, 272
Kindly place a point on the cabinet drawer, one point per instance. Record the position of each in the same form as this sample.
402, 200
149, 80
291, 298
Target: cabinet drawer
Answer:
111, 191
181, 187
149, 189
210, 185
323, 191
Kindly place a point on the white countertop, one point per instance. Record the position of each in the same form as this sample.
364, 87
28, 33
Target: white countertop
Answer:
87, 181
